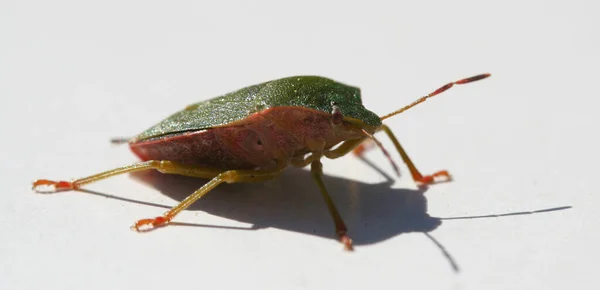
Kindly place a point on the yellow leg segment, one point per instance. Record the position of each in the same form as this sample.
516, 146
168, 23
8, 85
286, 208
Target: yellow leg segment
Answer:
217, 177
340, 151
340, 227
231, 176
46, 186
343, 149
302, 161
440, 176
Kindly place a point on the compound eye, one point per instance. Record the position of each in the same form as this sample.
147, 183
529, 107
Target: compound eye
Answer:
337, 118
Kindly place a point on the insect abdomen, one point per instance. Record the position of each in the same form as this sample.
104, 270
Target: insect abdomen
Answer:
261, 140
193, 148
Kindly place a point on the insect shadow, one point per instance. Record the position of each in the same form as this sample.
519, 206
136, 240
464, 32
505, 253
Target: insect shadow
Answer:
372, 212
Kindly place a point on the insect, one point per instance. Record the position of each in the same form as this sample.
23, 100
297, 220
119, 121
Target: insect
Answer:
253, 134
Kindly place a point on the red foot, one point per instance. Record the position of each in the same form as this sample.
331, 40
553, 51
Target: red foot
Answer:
145, 225
49, 186
359, 150
363, 147
438, 177
347, 241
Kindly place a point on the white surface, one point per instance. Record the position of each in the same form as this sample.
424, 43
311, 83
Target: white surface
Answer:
73, 75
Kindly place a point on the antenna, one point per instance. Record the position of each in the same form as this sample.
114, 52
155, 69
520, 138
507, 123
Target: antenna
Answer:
437, 92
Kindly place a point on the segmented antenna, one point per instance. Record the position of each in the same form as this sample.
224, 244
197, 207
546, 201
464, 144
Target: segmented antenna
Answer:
437, 92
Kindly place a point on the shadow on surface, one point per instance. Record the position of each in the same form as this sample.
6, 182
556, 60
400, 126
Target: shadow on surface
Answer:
372, 212
507, 214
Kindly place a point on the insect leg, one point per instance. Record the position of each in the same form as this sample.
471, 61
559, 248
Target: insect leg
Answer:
46, 186
440, 176
302, 161
231, 176
316, 169
340, 151
343, 149
120, 140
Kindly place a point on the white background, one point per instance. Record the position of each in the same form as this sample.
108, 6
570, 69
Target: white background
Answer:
72, 75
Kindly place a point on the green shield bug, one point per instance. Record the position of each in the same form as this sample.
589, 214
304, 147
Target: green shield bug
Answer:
253, 134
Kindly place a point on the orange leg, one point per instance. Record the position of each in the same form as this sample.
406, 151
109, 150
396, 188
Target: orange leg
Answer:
217, 177
437, 177
363, 147
440, 176
316, 169
230, 176
49, 186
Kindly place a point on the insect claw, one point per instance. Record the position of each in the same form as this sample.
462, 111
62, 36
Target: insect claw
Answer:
347, 241
49, 186
359, 150
438, 177
364, 147
146, 225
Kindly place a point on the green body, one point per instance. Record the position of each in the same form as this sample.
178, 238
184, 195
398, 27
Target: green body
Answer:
310, 92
